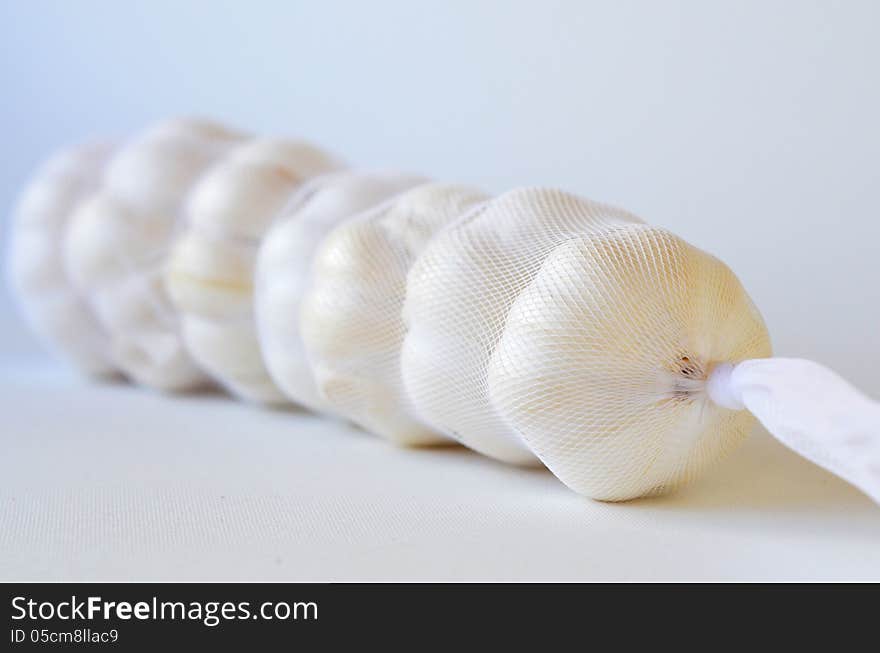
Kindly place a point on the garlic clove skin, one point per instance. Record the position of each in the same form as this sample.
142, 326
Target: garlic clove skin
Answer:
146, 333
209, 273
459, 292
108, 240
211, 276
351, 319
604, 358
284, 264
113, 252
156, 169
53, 307
119, 240
231, 352
61, 182
242, 195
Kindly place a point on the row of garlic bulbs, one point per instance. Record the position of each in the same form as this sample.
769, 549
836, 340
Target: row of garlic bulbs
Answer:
534, 327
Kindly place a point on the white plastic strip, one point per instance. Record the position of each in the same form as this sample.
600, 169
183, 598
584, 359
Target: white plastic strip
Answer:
811, 410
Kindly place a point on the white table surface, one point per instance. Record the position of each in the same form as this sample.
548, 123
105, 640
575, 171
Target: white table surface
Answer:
110, 482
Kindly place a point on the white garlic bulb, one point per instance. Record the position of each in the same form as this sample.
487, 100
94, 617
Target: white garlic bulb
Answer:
459, 292
603, 362
54, 308
351, 319
119, 238
209, 273
284, 263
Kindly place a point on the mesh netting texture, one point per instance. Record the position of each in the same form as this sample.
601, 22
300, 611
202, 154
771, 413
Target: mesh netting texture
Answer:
602, 363
284, 268
351, 316
535, 327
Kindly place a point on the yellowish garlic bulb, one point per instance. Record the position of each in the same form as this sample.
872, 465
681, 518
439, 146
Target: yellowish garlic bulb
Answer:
603, 362
284, 267
55, 309
209, 273
351, 318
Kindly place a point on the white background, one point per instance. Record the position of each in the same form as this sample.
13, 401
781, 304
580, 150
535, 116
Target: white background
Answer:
749, 128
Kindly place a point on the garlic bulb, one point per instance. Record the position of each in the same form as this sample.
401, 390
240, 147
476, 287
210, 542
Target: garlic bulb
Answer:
54, 308
119, 238
284, 263
458, 294
209, 273
603, 361
351, 320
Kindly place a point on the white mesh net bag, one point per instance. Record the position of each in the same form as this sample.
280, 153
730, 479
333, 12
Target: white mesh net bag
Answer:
284, 264
120, 236
351, 318
533, 327
626, 360
209, 273
53, 307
